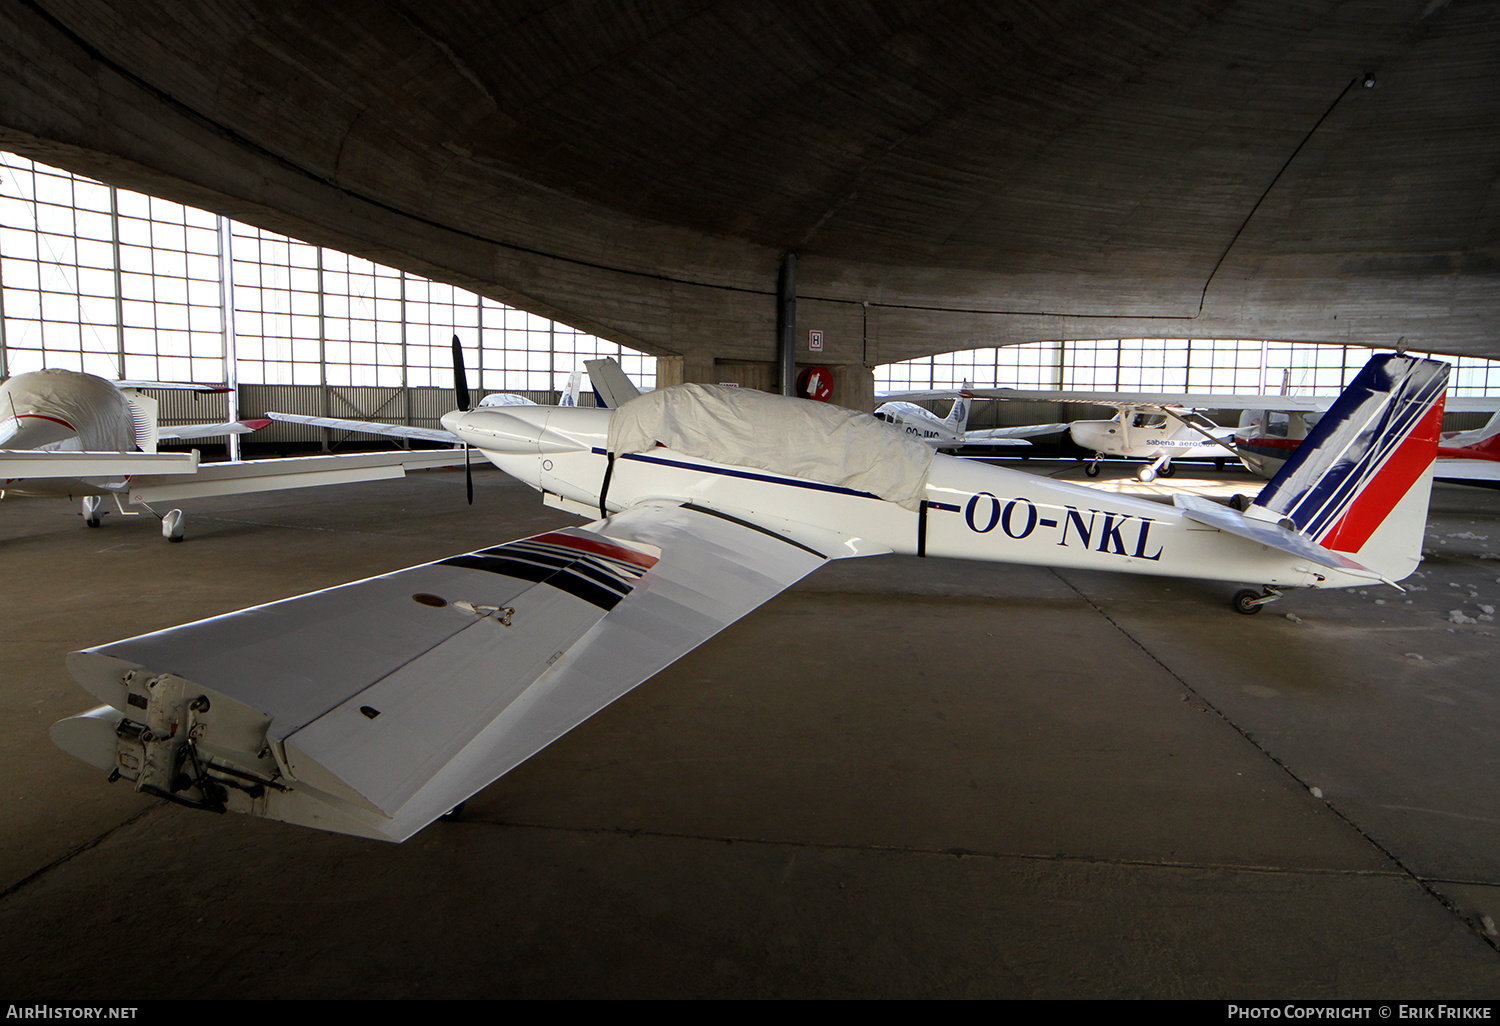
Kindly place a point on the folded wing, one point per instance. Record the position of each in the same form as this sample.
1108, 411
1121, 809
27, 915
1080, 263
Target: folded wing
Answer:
376, 707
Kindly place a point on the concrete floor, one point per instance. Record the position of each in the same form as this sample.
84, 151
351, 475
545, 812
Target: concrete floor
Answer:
902, 778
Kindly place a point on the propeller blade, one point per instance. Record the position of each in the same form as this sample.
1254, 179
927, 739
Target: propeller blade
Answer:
460, 380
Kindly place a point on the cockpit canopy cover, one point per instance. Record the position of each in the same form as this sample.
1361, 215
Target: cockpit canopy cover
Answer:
797, 437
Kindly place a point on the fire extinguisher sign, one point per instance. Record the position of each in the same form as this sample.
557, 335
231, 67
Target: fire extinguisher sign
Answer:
815, 341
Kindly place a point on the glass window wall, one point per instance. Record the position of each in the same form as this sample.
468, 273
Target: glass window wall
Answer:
125, 285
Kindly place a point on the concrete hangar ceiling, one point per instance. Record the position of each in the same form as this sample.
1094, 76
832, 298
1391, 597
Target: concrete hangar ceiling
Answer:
948, 174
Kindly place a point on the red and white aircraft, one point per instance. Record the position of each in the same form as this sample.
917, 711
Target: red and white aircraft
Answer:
376, 707
1265, 438
1471, 457
79, 436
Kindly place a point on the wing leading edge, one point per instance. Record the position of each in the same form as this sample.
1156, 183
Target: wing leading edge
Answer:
375, 707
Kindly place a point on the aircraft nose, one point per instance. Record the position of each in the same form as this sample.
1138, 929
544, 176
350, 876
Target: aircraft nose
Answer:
1085, 434
513, 431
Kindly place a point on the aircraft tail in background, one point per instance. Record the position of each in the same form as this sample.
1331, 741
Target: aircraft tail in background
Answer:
958, 417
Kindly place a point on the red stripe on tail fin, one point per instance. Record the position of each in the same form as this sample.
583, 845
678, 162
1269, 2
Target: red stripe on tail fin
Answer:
1390, 485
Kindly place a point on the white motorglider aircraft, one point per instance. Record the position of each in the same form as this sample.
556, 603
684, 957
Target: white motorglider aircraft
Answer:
950, 432
376, 707
74, 435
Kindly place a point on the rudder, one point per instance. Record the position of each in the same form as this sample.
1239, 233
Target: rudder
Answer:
1361, 480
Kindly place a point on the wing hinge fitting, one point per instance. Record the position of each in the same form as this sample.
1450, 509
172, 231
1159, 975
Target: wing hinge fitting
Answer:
500, 614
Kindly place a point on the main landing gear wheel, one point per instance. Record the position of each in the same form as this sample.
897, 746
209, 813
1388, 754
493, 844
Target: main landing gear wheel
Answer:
1249, 601
1167, 470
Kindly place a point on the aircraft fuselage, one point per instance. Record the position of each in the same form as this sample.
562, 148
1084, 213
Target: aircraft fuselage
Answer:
972, 510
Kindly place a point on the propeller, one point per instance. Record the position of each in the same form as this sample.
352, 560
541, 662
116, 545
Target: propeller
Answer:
461, 394
460, 379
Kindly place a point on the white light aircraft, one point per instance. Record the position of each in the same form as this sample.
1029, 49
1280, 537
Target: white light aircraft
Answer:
950, 432
1157, 427
376, 707
74, 435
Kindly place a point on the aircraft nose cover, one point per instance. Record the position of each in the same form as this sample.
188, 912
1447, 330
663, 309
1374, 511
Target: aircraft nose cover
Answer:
91, 406
511, 429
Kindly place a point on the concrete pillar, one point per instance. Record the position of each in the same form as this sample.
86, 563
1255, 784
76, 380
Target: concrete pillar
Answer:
696, 365
668, 371
854, 387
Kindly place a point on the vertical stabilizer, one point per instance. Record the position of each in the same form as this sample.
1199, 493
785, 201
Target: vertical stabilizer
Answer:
1361, 480
611, 387
570, 396
958, 416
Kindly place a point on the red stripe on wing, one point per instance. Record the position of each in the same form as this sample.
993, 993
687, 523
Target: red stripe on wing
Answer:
598, 547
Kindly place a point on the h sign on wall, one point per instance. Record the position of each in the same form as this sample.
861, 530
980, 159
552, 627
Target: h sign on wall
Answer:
815, 341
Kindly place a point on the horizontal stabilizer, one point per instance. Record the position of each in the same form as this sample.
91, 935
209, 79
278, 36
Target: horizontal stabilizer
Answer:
1212, 514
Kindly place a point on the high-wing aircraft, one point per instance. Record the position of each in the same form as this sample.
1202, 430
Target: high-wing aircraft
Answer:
375, 707
950, 432
1159, 427
75, 435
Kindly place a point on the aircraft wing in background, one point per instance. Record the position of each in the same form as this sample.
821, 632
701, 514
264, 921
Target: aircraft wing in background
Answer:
1019, 435
1146, 400
270, 475
376, 707
1466, 471
42, 464
368, 427
190, 432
